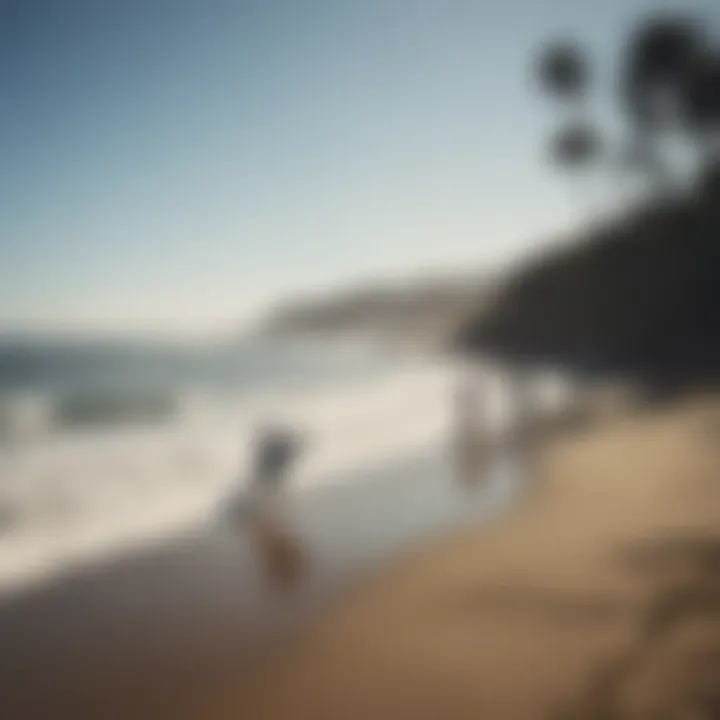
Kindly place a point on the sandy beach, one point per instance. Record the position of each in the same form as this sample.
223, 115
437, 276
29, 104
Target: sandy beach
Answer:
596, 597
409, 606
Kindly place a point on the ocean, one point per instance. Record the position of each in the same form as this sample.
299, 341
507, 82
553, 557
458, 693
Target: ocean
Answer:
107, 444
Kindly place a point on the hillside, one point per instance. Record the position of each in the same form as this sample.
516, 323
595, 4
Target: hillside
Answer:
427, 311
639, 297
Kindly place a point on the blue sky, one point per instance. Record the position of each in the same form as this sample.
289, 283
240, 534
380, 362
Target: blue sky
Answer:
176, 163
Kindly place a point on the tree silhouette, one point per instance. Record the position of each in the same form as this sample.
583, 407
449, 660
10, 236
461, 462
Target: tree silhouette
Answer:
575, 146
564, 74
701, 104
564, 71
658, 55
638, 297
669, 85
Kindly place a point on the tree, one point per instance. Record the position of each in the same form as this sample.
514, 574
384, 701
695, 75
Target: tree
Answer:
564, 71
564, 74
700, 90
669, 87
658, 55
575, 146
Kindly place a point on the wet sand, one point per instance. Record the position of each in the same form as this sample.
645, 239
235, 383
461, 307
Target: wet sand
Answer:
151, 635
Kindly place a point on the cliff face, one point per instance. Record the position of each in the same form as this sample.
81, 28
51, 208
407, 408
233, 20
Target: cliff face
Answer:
639, 298
427, 312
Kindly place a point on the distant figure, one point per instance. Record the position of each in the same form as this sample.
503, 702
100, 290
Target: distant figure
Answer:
274, 455
274, 452
281, 553
469, 442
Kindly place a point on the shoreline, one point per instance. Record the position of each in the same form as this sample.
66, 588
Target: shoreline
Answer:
415, 605
548, 611
181, 611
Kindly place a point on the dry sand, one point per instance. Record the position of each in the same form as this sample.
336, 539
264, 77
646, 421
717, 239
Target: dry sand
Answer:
598, 596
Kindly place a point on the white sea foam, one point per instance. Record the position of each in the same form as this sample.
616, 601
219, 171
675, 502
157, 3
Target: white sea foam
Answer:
69, 493
72, 494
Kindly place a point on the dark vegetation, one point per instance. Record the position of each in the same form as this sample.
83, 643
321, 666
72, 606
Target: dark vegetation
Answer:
636, 297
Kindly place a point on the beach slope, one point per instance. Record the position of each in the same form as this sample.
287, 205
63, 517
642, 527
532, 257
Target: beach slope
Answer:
596, 597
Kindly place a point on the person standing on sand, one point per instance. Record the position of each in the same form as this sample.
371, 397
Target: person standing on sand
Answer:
469, 441
276, 451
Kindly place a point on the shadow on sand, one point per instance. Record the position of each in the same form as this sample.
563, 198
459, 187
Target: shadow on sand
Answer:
672, 668
281, 554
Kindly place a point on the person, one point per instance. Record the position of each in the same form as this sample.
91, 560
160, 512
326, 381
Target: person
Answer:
469, 446
276, 449
281, 553
255, 497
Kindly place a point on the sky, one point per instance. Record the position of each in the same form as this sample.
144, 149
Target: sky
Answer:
179, 163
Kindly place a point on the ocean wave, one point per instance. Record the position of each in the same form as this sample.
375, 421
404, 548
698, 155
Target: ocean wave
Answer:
103, 408
24, 415
70, 495
28, 415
